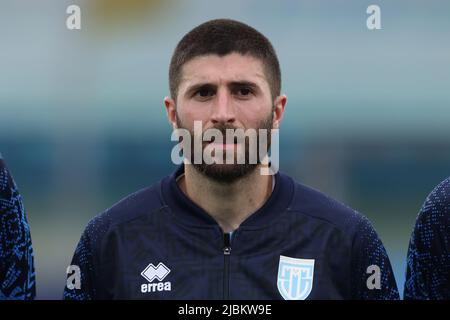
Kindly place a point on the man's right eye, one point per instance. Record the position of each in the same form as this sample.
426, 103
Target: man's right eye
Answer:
204, 93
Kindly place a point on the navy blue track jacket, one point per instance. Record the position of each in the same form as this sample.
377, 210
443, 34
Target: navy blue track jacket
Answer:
158, 244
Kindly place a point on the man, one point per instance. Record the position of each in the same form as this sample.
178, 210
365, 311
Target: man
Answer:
224, 230
17, 279
428, 261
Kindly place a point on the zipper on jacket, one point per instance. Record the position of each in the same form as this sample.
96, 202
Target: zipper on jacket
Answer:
226, 271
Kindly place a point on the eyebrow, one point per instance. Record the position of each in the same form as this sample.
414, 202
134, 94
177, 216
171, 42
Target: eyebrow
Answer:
233, 85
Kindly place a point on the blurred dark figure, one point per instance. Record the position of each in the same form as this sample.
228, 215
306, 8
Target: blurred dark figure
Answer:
17, 278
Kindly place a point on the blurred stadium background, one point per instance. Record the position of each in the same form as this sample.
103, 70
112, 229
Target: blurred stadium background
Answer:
82, 121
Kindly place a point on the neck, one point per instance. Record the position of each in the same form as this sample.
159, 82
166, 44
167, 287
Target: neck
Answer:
229, 204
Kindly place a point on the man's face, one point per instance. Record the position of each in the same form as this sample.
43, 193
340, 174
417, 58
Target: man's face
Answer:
224, 92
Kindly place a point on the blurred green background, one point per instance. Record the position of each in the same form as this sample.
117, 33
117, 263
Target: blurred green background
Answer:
82, 120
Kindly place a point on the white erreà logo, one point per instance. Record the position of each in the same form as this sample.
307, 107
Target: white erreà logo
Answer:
151, 273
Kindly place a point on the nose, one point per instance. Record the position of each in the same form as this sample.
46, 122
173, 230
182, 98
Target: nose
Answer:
223, 109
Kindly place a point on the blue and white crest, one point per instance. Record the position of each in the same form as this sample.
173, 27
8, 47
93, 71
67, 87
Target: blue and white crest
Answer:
295, 278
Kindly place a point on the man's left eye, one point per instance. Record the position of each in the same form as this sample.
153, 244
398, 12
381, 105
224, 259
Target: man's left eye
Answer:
244, 91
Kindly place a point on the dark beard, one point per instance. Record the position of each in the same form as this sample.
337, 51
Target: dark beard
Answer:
228, 173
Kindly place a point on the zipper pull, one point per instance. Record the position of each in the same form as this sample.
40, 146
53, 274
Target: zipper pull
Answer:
226, 244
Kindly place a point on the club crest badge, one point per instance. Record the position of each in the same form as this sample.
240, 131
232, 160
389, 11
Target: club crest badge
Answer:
295, 278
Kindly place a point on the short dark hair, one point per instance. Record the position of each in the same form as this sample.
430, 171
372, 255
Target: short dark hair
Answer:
222, 37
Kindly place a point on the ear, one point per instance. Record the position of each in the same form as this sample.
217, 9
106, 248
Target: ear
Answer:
279, 104
171, 111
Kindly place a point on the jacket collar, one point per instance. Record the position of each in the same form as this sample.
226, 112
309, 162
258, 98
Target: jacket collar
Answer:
187, 212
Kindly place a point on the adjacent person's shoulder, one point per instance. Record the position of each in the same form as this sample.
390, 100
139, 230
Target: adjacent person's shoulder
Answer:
437, 203
434, 215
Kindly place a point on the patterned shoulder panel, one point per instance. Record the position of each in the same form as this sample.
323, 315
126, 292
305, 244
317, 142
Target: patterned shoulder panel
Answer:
17, 277
428, 261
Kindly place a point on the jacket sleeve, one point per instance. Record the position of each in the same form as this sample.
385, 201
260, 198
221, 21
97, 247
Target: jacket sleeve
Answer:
372, 275
83, 272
